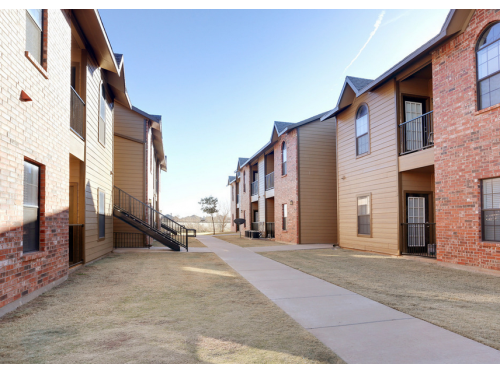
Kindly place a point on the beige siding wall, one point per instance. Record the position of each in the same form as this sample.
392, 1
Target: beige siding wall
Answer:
317, 182
375, 173
128, 122
98, 167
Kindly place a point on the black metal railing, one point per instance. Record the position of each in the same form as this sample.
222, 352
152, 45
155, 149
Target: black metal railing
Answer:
419, 239
255, 226
77, 114
191, 232
417, 134
150, 217
75, 244
130, 240
270, 181
270, 230
254, 187
283, 168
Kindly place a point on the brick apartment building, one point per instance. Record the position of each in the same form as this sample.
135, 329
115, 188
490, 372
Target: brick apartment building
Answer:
287, 189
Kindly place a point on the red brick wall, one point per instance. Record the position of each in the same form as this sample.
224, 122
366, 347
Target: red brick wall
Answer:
286, 189
467, 149
38, 131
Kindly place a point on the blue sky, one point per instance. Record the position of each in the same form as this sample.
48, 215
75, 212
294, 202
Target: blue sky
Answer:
220, 78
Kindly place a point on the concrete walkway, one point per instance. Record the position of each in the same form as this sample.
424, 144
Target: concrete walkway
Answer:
356, 328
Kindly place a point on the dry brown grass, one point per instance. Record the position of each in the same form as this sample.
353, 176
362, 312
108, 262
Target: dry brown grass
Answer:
246, 242
463, 302
156, 308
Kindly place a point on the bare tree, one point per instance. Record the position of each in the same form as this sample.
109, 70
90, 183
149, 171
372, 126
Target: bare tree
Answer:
209, 206
224, 215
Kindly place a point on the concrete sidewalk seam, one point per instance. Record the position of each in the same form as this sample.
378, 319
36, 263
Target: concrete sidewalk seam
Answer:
356, 324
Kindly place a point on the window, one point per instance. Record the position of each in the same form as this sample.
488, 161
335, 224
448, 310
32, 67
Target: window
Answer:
232, 193
244, 181
364, 217
102, 216
285, 215
31, 208
283, 158
491, 209
488, 67
34, 33
362, 136
102, 116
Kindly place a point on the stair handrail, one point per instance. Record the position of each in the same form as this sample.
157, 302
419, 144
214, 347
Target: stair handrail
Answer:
148, 215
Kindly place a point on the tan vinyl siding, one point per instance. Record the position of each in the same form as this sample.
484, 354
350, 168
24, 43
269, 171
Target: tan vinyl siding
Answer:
128, 123
375, 173
98, 167
317, 182
129, 174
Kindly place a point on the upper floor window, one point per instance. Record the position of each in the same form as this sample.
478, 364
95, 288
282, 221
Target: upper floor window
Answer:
362, 136
244, 181
488, 67
102, 116
34, 33
283, 158
232, 193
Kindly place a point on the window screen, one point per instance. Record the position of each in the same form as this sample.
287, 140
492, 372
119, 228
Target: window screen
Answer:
102, 216
31, 208
362, 138
34, 29
488, 67
364, 215
491, 209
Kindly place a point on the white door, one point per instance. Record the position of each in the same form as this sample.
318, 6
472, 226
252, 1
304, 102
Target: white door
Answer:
416, 215
414, 129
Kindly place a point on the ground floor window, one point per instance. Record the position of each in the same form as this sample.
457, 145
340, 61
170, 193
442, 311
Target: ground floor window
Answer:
364, 217
285, 215
491, 209
31, 208
102, 216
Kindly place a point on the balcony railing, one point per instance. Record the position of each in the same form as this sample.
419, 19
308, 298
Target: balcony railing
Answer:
270, 181
417, 134
77, 114
419, 239
75, 244
255, 187
283, 168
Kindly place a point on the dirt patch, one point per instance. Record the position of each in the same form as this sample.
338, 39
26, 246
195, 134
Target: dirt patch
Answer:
463, 302
246, 242
156, 308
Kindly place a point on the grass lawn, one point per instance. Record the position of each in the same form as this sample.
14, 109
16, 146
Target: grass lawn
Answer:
192, 242
246, 242
463, 302
156, 308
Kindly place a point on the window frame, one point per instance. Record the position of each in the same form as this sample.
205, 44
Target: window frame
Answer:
38, 59
244, 181
284, 159
284, 217
39, 198
369, 195
497, 72
357, 136
481, 197
99, 191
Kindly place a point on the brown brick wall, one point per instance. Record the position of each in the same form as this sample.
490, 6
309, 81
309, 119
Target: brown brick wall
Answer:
286, 189
39, 131
467, 149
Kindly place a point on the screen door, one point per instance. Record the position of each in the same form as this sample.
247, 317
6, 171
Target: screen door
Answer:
416, 215
414, 129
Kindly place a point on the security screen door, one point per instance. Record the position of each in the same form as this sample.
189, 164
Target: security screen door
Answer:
414, 129
416, 215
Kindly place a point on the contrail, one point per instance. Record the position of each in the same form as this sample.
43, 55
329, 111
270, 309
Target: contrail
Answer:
375, 28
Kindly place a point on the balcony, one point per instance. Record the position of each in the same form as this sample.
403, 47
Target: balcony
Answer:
254, 188
416, 134
77, 114
270, 181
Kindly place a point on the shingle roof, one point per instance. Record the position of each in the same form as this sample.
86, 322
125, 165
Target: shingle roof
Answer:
359, 83
280, 126
242, 161
156, 118
231, 179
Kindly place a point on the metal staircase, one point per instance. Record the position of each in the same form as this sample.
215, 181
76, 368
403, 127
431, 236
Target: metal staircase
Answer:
149, 221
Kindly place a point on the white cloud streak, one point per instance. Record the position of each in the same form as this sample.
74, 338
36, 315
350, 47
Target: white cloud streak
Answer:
375, 28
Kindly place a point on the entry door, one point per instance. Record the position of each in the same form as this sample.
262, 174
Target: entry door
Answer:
416, 211
414, 129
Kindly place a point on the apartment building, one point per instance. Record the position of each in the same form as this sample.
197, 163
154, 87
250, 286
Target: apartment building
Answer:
60, 81
138, 162
287, 189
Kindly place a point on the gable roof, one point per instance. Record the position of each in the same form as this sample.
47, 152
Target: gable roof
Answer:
358, 83
281, 126
455, 23
155, 118
231, 179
